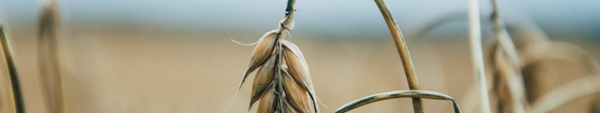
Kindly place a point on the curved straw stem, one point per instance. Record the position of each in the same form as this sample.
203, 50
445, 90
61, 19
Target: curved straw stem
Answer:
503, 38
403, 51
397, 94
562, 94
12, 70
477, 54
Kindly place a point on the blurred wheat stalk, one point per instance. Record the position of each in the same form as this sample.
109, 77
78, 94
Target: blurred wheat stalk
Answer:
516, 82
15, 85
509, 85
508, 82
477, 54
49, 58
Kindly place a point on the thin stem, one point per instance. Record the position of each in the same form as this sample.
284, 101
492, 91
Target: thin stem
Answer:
477, 54
12, 70
290, 5
503, 38
289, 12
397, 94
403, 51
48, 55
507, 63
570, 91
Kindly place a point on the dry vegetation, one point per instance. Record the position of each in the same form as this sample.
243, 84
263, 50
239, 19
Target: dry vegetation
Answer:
16, 97
283, 82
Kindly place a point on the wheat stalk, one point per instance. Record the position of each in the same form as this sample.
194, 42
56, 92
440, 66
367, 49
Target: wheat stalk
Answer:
409, 70
477, 55
508, 85
48, 57
535, 48
283, 82
414, 93
12, 70
397, 94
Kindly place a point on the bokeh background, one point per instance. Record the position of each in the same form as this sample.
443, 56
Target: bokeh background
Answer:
137, 56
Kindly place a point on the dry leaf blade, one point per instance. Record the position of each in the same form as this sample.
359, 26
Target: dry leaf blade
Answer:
397, 94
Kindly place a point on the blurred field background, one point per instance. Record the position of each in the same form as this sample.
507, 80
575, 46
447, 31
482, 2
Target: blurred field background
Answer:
135, 56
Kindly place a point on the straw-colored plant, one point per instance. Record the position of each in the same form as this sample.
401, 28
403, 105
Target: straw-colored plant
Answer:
414, 91
542, 49
12, 71
514, 66
398, 94
402, 48
509, 86
536, 49
48, 57
283, 82
508, 83
477, 55
47, 60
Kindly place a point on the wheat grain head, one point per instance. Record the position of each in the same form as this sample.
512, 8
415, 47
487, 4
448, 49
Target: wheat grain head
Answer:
283, 83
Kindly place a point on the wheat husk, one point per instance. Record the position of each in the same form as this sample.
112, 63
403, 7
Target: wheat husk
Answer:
262, 80
283, 82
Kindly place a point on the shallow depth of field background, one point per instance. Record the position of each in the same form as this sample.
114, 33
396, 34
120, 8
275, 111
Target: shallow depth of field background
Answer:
136, 56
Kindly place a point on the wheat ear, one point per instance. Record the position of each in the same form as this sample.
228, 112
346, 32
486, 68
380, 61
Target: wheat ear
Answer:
283, 83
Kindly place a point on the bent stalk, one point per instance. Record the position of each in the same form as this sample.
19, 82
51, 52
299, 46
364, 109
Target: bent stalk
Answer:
403, 51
